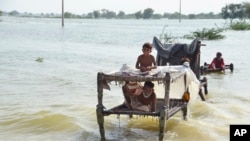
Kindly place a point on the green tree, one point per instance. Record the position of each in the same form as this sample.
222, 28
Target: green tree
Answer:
14, 13
246, 6
121, 14
90, 15
191, 16
174, 15
138, 15
166, 15
1, 13
67, 15
110, 14
157, 16
147, 13
233, 11
96, 14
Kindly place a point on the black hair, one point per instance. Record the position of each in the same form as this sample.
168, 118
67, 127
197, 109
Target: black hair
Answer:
149, 84
185, 59
218, 54
147, 45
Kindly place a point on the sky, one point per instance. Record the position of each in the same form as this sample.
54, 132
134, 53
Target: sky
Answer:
128, 6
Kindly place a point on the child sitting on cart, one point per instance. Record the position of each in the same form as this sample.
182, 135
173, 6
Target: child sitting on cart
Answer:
217, 63
146, 61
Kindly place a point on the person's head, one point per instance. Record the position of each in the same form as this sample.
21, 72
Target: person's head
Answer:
218, 55
146, 48
185, 59
148, 88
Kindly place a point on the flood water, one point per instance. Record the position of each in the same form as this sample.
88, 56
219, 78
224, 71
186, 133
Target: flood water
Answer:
56, 99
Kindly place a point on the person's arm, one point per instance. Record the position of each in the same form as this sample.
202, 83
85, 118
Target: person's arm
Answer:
222, 65
126, 96
212, 64
137, 65
154, 63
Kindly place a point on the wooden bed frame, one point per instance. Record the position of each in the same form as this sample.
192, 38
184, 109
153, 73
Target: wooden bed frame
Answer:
166, 107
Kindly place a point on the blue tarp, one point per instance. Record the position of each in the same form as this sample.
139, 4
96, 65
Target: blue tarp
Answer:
169, 50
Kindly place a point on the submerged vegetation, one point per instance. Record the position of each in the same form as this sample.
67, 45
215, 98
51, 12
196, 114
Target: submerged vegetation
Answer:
240, 26
166, 37
39, 59
238, 14
206, 34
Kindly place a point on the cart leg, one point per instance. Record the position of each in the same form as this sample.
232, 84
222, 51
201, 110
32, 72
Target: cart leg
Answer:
201, 95
100, 120
202, 70
162, 121
205, 89
205, 85
184, 112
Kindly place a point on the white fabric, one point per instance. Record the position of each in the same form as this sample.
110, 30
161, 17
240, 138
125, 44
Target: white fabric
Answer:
177, 88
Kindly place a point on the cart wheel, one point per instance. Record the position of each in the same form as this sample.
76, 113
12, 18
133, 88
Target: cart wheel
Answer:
231, 67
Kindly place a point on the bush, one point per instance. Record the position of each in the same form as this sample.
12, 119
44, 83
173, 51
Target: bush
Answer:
207, 34
240, 26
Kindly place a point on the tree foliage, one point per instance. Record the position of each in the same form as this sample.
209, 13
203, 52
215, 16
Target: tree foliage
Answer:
233, 11
247, 9
68, 15
121, 14
13, 13
96, 14
138, 15
147, 13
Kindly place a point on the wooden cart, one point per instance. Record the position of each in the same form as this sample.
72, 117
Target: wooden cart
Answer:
205, 70
166, 107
